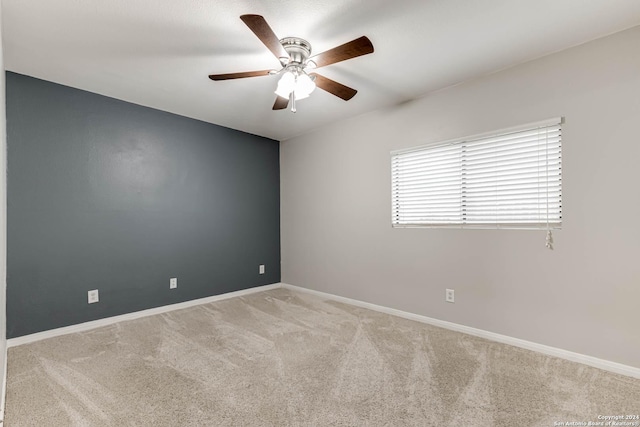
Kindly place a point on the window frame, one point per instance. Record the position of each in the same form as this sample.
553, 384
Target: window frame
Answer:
554, 225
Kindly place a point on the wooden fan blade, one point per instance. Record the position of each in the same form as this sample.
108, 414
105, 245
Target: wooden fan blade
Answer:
334, 88
230, 76
352, 49
281, 103
260, 28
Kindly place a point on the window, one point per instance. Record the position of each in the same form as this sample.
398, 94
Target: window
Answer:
508, 179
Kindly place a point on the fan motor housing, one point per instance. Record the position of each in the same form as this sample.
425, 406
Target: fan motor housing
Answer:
297, 48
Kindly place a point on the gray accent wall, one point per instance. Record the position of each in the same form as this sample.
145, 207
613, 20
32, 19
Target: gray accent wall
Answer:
108, 195
3, 227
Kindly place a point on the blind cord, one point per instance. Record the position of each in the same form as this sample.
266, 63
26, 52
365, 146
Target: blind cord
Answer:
549, 239
549, 243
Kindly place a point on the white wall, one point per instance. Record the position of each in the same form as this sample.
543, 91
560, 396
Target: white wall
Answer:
584, 296
3, 228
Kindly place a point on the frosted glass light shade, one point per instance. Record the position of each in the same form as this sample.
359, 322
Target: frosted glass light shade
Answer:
304, 86
286, 85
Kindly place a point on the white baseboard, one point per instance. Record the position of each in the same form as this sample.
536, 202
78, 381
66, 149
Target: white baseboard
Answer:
81, 327
606, 365
595, 362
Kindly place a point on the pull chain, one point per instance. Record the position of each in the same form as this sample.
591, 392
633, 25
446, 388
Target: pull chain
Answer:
549, 241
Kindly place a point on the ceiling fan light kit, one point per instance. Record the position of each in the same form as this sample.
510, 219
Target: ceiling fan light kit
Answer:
295, 82
294, 53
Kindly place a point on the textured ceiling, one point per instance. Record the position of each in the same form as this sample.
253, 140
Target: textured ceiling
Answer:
158, 53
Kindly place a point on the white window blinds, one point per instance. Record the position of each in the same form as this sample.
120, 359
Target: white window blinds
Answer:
510, 179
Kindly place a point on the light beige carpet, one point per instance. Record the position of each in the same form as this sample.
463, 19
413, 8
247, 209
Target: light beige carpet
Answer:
280, 358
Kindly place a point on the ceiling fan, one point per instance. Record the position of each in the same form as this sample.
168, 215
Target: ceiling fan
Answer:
297, 81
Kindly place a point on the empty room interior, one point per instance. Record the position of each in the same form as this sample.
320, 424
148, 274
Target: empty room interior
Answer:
314, 213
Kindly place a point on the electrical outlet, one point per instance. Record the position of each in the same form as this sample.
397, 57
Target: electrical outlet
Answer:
92, 296
450, 296
173, 283
261, 269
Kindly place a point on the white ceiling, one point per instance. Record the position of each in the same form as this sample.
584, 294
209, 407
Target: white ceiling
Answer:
158, 53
